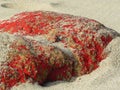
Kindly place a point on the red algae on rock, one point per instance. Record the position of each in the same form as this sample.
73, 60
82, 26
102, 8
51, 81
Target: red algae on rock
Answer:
31, 59
43, 62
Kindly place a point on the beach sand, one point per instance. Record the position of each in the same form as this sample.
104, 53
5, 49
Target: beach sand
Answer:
107, 76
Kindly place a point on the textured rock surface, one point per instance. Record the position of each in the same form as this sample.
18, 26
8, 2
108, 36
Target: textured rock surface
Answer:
49, 46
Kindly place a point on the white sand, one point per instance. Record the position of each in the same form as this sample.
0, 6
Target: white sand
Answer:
107, 76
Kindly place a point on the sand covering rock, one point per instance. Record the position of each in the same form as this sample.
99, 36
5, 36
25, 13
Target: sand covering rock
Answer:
49, 46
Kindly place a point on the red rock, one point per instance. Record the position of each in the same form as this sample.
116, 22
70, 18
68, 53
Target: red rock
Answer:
86, 38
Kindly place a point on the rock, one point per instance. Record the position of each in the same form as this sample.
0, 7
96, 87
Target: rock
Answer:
37, 52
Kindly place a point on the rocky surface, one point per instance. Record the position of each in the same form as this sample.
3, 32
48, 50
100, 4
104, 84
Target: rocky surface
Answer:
48, 46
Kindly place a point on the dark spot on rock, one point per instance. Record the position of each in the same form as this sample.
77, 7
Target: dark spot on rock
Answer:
58, 38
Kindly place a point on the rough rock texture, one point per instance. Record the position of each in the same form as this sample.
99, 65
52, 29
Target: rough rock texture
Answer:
49, 46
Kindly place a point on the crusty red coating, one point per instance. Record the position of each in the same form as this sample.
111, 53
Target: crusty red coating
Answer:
45, 63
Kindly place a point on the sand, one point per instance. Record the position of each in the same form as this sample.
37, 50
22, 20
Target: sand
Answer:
107, 76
